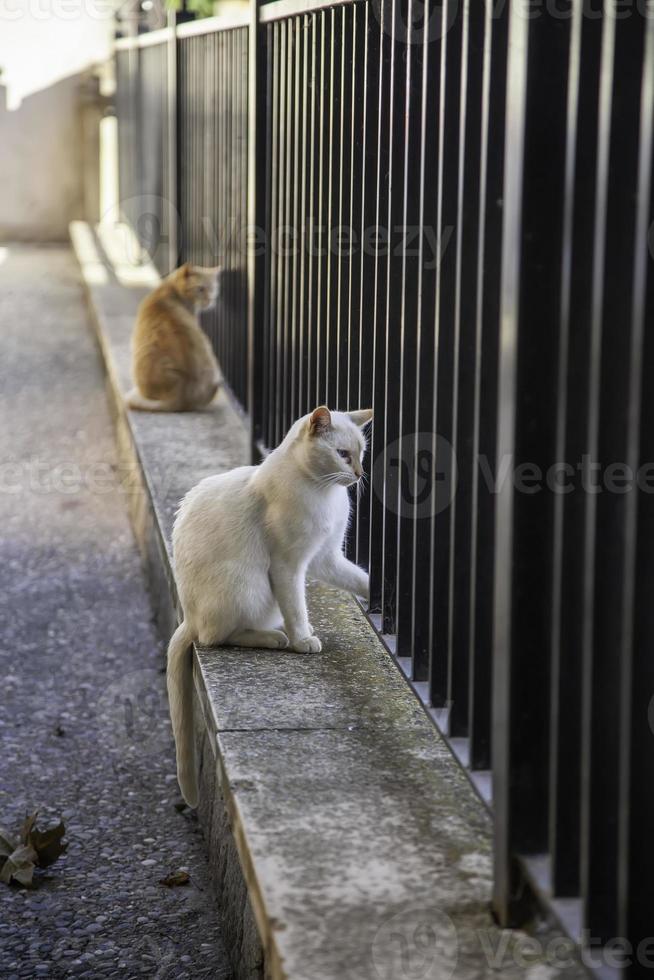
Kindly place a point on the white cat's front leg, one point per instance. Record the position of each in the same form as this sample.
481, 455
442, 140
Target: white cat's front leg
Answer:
288, 585
333, 568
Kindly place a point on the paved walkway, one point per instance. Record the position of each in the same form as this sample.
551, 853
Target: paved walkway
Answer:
84, 732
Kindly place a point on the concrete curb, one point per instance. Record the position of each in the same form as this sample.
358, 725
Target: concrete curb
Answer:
339, 827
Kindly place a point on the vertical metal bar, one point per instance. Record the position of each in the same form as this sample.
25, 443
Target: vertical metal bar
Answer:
465, 356
377, 481
234, 177
172, 147
449, 232
572, 435
529, 339
395, 286
341, 244
354, 111
636, 856
230, 85
243, 221
322, 236
486, 393
213, 320
504, 895
257, 139
369, 186
186, 181
180, 150
231, 201
294, 345
237, 177
313, 199
412, 258
333, 22
287, 257
222, 217
238, 219
279, 243
197, 115
189, 103
261, 236
303, 322
594, 357
430, 209
182, 183
271, 243
208, 206
613, 579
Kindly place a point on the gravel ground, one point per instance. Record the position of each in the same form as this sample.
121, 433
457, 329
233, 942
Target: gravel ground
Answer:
84, 731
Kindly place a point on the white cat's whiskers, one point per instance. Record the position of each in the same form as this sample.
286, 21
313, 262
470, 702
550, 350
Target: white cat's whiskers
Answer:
328, 480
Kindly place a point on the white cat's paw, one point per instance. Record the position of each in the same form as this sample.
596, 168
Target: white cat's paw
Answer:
310, 644
278, 640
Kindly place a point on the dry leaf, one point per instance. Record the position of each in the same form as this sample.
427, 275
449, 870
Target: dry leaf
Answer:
37, 848
26, 828
175, 878
19, 866
48, 844
7, 844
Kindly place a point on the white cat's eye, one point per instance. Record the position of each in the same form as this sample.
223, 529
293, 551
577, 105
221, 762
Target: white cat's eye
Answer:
344, 453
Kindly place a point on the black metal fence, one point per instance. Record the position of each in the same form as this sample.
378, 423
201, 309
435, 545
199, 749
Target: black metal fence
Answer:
145, 163
212, 89
444, 211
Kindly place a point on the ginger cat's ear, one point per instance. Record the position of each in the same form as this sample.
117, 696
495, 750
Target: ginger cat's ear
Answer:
361, 417
320, 421
185, 270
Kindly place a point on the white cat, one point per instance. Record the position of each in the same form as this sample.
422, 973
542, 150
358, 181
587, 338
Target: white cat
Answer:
244, 543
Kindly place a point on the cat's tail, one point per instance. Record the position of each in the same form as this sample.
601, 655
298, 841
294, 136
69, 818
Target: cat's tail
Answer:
134, 399
180, 697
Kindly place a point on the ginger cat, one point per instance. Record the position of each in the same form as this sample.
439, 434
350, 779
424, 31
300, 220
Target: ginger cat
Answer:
173, 365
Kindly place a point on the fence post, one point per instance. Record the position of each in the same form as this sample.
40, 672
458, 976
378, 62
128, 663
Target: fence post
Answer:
172, 142
529, 404
256, 218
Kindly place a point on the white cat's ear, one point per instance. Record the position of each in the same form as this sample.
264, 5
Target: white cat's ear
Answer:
361, 417
320, 421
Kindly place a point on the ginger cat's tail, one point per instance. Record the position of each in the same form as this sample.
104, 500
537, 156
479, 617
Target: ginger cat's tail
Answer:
134, 399
180, 697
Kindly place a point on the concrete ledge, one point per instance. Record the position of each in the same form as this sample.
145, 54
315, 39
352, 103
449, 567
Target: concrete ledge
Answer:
343, 838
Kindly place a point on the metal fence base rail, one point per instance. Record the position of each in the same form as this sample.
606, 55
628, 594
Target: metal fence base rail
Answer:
444, 211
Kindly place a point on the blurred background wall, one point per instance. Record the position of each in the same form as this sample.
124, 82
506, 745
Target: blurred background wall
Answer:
50, 109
